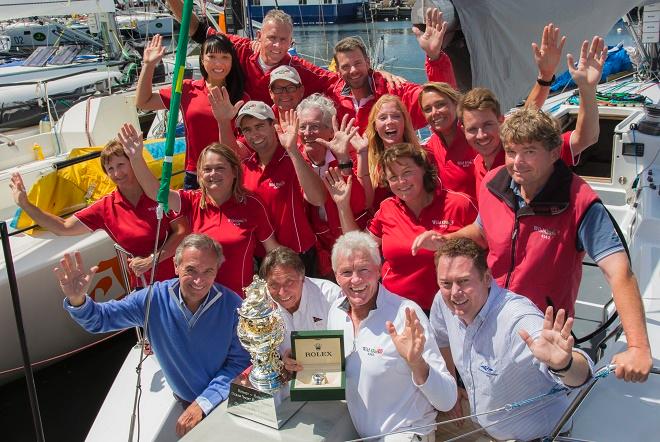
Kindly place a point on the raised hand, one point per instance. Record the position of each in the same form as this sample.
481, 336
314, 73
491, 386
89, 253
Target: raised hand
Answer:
18, 191
589, 68
393, 81
154, 51
410, 343
554, 346
360, 143
131, 140
429, 240
255, 45
74, 280
432, 38
339, 190
339, 145
548, 55
287, 129
221, 104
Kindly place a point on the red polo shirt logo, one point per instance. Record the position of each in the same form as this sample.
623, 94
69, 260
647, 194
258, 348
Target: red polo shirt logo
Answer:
546, 233
277, 185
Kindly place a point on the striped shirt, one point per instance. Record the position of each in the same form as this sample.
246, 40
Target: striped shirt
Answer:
497, 367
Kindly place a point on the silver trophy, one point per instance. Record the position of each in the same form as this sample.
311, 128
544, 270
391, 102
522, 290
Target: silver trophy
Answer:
263, 395
261, 331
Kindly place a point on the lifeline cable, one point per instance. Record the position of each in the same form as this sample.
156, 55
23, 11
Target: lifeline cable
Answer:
163, 193
602, 373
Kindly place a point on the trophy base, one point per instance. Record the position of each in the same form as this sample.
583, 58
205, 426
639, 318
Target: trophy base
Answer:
272, 409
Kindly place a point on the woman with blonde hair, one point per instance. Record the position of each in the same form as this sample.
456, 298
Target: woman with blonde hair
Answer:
389, 124
220, 208
451, 152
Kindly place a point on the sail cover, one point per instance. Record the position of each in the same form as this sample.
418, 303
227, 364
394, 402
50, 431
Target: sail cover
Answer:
499, 36
12, 9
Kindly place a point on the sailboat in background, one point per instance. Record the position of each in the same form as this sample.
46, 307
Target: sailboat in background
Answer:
55, 77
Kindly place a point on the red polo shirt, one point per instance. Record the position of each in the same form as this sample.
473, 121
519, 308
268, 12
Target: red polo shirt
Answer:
413, 277
132, 227
200, 124
278, 187
455, 162
257, 82
237, 226
480, 170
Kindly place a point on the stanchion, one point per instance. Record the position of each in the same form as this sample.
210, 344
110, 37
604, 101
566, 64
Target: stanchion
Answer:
29, 376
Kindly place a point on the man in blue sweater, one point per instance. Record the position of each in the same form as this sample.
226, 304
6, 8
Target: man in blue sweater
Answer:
192, 324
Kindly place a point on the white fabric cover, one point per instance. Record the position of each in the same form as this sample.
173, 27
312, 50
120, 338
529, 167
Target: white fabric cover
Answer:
499, 36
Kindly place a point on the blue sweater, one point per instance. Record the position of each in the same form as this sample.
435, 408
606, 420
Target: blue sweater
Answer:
199, 357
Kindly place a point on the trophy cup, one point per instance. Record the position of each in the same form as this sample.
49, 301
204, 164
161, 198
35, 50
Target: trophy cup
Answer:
263, 395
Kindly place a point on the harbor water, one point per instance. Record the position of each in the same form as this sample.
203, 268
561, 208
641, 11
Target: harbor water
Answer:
72, 391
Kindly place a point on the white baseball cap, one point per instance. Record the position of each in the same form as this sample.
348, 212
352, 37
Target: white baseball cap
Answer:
256, 109
285, 72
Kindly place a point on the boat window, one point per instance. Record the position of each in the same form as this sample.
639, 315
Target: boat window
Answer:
596, 161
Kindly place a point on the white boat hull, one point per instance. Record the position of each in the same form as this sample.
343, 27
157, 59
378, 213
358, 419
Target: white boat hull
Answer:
51, 333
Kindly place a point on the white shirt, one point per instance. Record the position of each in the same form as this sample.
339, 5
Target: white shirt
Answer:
380, 391
496, 365
312, 314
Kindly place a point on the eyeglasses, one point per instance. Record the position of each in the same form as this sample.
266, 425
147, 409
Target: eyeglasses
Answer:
288, 89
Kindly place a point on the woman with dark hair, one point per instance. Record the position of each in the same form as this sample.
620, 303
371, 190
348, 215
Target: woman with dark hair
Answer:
220, 208
419, 204
219, 66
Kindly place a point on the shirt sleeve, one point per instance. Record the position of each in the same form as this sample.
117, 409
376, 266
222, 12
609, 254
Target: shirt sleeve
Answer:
166, 95
440, 70
186, 198
597, 235
92, 216
438, 324
566, 153
109, 316
375, 226
315, 78
440, 386
218, 389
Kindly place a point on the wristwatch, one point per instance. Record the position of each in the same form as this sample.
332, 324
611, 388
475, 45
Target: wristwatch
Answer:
546, 83
346, 165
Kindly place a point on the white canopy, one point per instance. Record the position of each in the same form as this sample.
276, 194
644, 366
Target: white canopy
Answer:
12, 9
499, 36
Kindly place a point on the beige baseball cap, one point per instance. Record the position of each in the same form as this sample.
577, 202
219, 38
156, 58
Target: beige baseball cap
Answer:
285, 72
256, 109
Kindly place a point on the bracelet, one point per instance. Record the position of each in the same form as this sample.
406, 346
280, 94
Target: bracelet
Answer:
562, 370
546, 83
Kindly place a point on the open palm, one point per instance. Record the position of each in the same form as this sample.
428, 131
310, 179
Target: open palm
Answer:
410, 342
554, 346
589, 68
